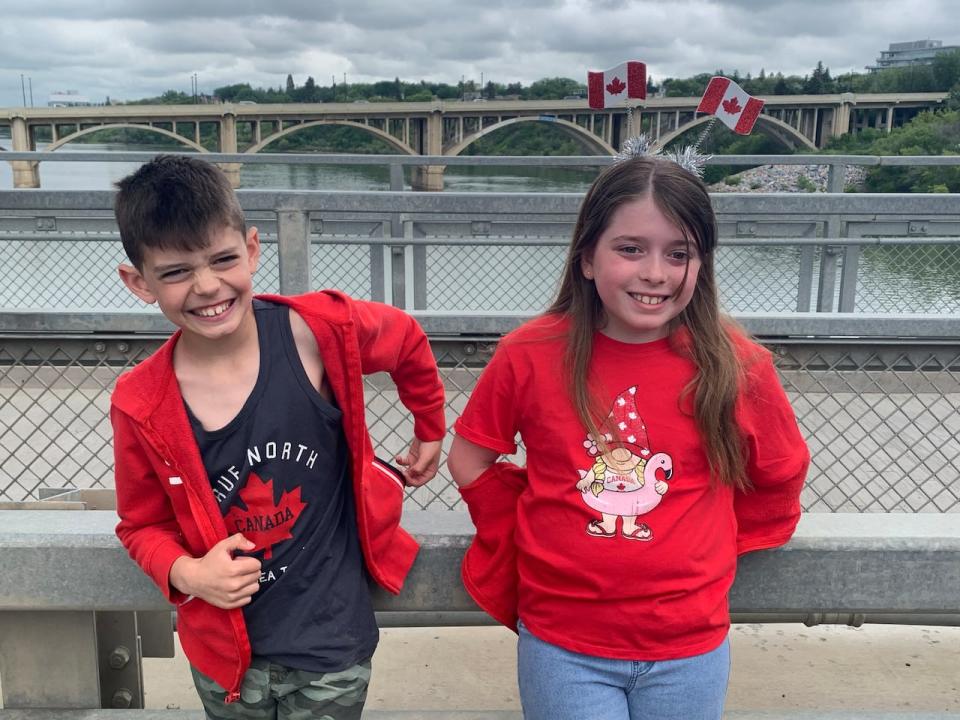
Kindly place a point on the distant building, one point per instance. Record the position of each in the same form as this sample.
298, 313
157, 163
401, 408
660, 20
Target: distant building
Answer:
917, 52
67, 98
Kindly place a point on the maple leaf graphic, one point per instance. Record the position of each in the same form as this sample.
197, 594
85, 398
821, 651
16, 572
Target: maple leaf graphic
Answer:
616, 86
264, 522
731, 106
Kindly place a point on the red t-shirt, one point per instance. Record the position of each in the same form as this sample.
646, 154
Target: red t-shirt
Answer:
626, 555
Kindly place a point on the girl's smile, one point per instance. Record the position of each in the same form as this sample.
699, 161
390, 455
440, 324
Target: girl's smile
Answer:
645, 271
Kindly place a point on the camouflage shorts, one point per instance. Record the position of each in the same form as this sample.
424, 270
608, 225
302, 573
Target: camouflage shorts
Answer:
274, 692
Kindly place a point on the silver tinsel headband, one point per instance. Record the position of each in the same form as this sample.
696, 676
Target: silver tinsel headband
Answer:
689, 158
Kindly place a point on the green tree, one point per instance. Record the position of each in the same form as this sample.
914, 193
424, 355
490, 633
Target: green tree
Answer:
929, 133
290, 86
555, 88
419, 95
517, 89
235, 93
307, 93
819, 81
946, 70
953, 100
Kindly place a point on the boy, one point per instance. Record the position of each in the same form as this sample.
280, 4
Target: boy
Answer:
246, 482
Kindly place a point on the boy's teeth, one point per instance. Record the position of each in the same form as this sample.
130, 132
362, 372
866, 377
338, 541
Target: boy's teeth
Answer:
213, 311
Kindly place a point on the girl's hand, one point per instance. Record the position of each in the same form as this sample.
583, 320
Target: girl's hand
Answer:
661, 487
421, 461
584, 484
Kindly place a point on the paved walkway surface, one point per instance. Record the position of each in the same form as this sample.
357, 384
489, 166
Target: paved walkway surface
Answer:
888, 668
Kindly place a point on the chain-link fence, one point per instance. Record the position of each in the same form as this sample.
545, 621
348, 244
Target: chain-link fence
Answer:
882, 421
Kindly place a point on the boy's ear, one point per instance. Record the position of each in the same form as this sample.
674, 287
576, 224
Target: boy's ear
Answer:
252, 243
136, 283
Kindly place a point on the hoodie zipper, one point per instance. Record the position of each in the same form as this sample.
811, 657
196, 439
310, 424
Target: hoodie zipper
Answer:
206, 528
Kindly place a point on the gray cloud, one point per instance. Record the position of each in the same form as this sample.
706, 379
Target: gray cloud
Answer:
129, 49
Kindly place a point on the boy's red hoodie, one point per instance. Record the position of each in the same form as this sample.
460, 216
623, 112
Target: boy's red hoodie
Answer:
164, 501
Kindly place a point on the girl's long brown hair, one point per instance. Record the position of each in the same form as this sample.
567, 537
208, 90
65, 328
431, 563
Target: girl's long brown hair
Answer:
682, 198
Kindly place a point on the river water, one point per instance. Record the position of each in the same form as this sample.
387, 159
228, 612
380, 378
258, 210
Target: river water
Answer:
102, 175
81, 275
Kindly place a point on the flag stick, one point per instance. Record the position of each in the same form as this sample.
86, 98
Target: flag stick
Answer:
706, 131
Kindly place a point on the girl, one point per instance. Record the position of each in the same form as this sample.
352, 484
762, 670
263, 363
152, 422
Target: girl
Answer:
660, 445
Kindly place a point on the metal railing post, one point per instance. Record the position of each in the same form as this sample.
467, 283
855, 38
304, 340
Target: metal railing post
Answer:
378, 287
419, 277
805, 278
398, 271
836, 178
848, 278
828, 264
293, 243
828, 278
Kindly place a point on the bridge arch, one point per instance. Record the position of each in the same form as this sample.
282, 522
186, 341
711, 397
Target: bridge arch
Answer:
769, 125
113, 126
387, 137
581, 133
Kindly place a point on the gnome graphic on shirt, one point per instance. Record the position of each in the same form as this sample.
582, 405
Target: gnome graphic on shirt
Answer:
626, 479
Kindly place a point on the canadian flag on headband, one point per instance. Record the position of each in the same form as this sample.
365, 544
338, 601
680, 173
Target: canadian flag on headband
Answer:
727, 100
615, 86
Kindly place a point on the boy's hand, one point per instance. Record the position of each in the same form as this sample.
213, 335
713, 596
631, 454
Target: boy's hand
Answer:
421, 461
218, 577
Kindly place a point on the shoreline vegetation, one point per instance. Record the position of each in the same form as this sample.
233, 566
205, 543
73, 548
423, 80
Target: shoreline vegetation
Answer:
928, 133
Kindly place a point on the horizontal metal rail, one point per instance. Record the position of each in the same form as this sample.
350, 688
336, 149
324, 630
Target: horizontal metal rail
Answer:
786, 206
473, 160
870, 327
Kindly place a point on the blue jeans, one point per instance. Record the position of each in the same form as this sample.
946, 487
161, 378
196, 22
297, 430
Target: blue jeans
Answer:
556, 684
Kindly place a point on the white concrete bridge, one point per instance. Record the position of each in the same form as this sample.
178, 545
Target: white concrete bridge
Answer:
448, 128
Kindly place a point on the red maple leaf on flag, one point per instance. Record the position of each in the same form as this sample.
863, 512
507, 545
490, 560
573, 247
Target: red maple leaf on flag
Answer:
731, 106
616, 86
264, 522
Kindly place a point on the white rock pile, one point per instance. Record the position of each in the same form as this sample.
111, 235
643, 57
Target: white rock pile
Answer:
786, 178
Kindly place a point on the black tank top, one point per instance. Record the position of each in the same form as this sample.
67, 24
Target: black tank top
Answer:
280, 473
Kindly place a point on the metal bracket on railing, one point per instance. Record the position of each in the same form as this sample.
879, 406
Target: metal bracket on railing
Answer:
851, 619
918, 227
480, 228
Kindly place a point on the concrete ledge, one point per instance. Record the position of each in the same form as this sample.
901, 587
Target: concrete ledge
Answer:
464, 715
843, 563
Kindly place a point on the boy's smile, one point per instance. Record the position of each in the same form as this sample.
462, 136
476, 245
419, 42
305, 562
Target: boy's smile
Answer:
207, 292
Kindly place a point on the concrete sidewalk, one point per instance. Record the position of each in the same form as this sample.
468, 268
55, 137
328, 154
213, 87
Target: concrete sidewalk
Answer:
910, 669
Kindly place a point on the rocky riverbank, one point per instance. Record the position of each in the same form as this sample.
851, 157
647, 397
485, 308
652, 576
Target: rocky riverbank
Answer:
786, 178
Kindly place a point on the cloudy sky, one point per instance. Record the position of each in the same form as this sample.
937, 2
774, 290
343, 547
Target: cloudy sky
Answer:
128, 49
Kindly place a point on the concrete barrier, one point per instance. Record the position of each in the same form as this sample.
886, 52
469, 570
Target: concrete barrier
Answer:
460, 715
68, 592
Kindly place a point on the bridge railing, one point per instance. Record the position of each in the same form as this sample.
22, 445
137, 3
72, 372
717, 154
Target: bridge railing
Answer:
77, 616
878, 391
877, 397
486, 252
837, 164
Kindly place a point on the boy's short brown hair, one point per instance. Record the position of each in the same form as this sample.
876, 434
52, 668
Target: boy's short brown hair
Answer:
174, 202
